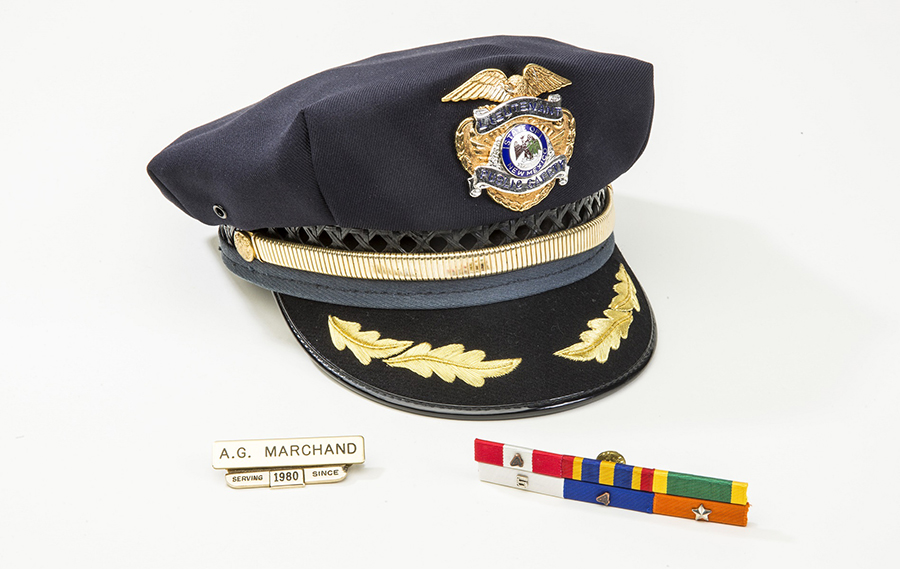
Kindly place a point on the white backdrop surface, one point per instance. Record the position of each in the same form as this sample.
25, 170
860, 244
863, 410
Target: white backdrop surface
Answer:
761, 220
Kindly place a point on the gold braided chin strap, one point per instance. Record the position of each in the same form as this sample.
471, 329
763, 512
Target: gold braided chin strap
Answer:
430, 266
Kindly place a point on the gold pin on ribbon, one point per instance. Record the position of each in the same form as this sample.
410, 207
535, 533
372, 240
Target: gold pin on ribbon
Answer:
285, 463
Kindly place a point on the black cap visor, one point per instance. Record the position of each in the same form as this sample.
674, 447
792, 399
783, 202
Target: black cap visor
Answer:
523, 357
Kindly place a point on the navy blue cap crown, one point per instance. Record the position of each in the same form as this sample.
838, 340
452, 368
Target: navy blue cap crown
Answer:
371, 145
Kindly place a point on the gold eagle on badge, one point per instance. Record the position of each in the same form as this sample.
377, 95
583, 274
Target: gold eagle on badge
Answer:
519, 148
493, 85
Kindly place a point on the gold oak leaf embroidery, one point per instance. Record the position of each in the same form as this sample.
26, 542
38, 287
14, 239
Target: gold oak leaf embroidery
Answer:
452, 361
448, 362
605, 334
366, 346
626, 299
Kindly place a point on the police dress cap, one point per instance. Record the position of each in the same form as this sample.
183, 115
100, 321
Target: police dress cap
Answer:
437, 224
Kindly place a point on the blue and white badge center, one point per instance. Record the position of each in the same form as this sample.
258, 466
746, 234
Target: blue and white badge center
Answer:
521, 161
524, 150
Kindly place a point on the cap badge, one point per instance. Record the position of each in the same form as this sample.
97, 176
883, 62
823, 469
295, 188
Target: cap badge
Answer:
518, 149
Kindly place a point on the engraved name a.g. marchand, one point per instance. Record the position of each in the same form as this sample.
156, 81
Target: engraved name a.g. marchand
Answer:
269, 453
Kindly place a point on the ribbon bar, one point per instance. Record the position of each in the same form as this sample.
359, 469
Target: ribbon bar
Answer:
614, 484
613, 474
613, 497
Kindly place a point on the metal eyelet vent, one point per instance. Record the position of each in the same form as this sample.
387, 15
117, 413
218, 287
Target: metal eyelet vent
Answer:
220, 211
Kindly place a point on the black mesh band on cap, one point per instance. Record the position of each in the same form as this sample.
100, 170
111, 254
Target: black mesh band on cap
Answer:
434, 222
536, 224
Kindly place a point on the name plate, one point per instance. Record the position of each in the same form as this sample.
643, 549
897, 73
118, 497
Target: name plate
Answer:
275, 453
286, 463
